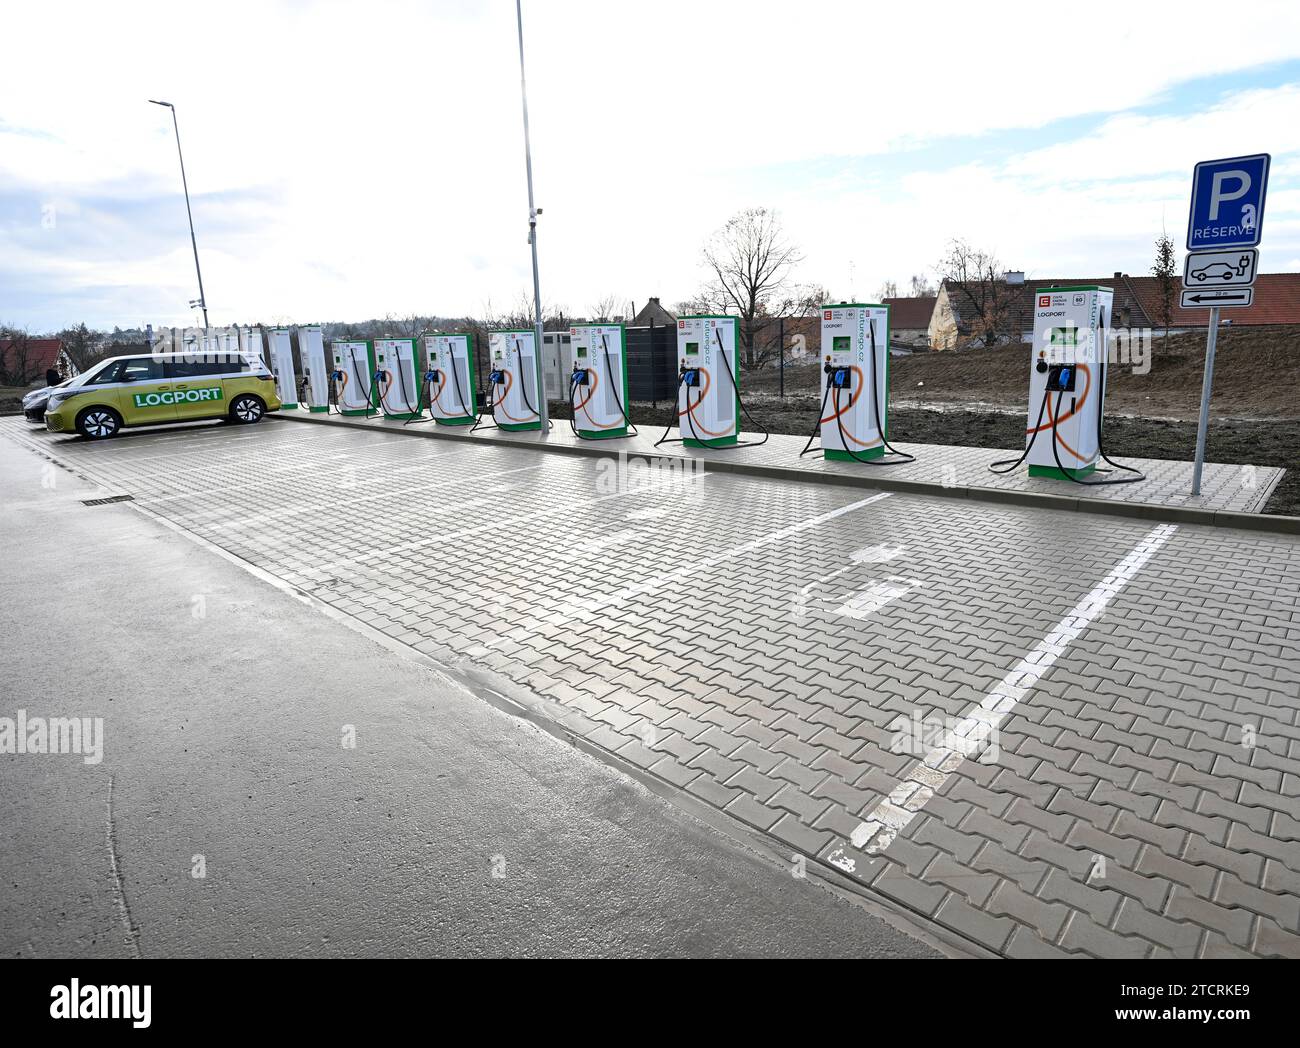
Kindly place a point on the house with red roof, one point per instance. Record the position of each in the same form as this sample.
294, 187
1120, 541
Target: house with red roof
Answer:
909, 320
25, 360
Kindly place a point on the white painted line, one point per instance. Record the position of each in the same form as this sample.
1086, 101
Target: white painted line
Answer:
870, 600
592, 604
884, 822
876, 554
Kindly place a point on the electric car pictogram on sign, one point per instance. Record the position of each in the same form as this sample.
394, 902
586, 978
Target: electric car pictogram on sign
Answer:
1221, 268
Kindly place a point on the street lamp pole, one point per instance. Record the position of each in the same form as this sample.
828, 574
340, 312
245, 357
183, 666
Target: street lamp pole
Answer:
543, 410
203, 301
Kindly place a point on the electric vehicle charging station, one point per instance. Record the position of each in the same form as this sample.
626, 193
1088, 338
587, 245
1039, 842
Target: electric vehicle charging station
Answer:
354, 376
598, 384
854, 414
708, 388
449, 378
315, 386
250, 344
286, 385
512, 381
1067, 387
396, 376
1071, 328
231, 343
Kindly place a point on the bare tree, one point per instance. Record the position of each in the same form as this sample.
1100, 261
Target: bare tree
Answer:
921, 286
889, 289
607, 307
16, 352
410, 326
750, 262
1165, 271
978, 290
83, 346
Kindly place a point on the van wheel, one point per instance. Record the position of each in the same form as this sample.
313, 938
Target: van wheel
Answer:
247, 408
99, 423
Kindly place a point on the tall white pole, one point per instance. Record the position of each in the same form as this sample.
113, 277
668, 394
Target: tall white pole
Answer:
539, 358
1207, 382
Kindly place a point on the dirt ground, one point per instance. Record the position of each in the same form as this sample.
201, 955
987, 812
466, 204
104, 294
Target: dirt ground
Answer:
1256, 375
11, 398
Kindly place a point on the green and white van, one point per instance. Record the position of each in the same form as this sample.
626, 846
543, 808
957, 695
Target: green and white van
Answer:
150, 389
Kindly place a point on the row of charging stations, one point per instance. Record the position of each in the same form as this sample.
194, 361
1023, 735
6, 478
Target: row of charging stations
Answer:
401, 378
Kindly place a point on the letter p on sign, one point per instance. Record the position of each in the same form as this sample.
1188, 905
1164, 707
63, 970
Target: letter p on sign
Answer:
1219, 195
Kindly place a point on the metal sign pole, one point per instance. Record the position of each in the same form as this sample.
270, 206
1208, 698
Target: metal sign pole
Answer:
1207, 381
543, 409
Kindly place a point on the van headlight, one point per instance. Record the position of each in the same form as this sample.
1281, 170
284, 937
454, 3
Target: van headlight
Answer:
58, 398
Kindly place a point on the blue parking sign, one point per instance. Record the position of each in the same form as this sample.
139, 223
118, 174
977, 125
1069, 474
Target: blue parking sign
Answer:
1227, 202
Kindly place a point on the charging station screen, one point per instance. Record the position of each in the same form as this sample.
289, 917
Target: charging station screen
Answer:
841, 344
692, 349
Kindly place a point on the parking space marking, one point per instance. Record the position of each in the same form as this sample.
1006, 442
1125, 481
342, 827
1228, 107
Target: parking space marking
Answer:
884, 822
675, 481
866, 602
591, 605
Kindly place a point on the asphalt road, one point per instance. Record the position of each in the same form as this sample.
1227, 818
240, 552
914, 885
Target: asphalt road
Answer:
450, 829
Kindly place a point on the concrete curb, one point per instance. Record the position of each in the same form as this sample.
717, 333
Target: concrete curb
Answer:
1277, 523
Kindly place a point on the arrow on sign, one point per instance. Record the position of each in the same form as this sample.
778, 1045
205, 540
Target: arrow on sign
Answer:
1218, 297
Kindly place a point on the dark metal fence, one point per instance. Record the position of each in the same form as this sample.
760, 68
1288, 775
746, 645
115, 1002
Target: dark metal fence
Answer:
652, 362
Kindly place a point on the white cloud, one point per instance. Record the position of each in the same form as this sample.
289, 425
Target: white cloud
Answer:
370, 160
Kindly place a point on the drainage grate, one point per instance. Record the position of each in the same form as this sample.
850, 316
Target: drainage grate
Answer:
106, 501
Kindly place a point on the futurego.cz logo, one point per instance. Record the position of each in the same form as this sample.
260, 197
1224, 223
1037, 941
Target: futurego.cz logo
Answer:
75, 1001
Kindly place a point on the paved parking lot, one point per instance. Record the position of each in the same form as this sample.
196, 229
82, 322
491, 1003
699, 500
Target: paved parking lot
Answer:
819, 662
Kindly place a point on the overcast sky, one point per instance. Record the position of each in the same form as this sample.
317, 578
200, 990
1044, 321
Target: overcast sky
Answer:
350, 160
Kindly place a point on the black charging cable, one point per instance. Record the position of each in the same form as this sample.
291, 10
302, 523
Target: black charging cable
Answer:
370, 389
1011, 464
523, 387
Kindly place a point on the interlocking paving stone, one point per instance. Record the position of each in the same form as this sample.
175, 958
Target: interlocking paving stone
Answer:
1146, 796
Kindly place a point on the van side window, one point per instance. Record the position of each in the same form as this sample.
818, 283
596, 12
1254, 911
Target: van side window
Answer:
139, 369
194, 368
108, 374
